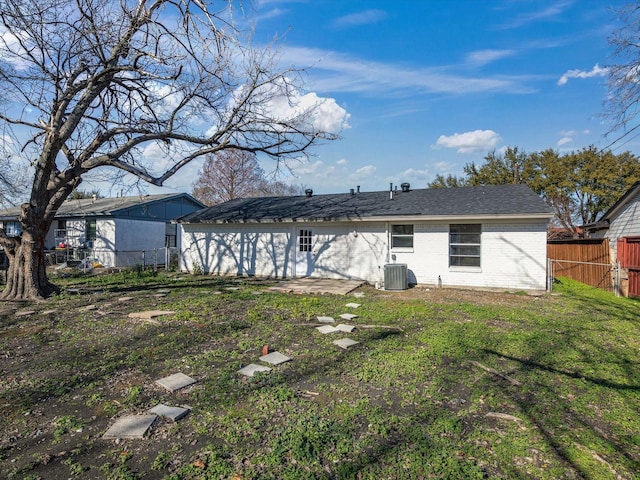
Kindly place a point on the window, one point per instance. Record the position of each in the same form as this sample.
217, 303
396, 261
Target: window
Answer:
90, 230
401, 236
171, 235
305, 241
12, 229
464, 245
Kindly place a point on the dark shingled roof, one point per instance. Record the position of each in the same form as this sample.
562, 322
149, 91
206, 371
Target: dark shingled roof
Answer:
501, 200
101, 206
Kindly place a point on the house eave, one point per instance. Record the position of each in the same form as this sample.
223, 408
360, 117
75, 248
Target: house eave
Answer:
393, 218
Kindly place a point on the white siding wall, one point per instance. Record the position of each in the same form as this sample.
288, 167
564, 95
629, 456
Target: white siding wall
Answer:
625, 224
105, 242
263, 250
350, 250
513, 255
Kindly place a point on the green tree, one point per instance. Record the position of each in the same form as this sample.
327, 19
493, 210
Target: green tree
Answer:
580, 185
450, 181
138, 88
498, 169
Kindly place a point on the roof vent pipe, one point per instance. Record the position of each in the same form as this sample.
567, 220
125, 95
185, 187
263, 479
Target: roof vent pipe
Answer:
358, 187
352, 191
308, 192
391, 186
405, 186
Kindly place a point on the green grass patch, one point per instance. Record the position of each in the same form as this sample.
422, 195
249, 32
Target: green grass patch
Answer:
443, 384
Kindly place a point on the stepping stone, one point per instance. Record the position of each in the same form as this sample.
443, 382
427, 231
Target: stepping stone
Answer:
48, 312
233, 289
125, 299
172, 413
345, 343
274, 358
131, 426
217, 292
257, 293
358, 294
163, 290
160, 295
348, 316
353, 305
74, 290
150, 314
24, 313
88, 308
345, 328
327, 329
176, 381
326, 320
251, 369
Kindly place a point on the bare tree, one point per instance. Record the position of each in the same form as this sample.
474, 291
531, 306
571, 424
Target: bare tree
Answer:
233, 174
624, 88
95, 84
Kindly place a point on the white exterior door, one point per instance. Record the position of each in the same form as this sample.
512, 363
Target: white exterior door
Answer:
304, 252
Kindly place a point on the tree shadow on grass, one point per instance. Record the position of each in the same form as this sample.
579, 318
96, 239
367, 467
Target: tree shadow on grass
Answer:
566, 427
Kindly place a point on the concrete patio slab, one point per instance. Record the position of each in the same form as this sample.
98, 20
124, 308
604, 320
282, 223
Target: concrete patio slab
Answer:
131, 426
274, 358
251, 369
150, 314
345, 343
348, 316
172, 413
176, 381
327, 329
326, 320
316, 285
343, 327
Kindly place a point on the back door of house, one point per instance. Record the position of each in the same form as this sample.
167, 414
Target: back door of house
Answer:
304, 252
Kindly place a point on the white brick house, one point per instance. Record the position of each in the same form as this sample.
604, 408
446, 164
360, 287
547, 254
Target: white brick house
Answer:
492, 236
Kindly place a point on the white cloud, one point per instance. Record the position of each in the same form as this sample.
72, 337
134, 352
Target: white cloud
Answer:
364, 172
596, 71
483, 57
365, 17
337, 72
443, 166
564, 141
342, 161
469, 142
546, 13
305, 167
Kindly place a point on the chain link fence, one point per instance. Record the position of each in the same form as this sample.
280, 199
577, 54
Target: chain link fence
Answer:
88, 259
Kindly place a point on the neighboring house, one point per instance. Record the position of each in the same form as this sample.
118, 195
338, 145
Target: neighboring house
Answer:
117, 231
621, 225
492, 236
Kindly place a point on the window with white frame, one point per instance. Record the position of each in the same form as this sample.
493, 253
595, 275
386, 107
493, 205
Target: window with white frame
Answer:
464, 245
305, 240
401, 236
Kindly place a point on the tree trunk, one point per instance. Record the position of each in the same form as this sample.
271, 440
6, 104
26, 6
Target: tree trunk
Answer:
27, 275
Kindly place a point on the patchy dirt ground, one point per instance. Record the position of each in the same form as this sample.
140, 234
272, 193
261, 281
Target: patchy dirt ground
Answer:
71, 366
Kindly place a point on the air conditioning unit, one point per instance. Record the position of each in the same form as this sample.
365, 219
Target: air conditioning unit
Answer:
395, 276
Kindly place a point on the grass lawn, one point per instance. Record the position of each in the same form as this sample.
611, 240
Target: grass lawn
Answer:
443, 384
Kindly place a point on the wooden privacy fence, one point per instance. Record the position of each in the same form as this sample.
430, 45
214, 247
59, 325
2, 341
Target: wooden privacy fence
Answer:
587, 261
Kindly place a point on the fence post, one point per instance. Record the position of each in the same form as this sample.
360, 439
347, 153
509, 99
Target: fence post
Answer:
549, 275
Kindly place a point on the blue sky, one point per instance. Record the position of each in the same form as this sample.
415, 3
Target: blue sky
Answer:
427, 86
432, 85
